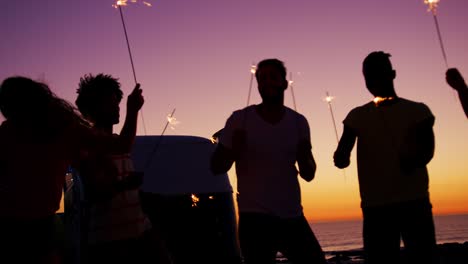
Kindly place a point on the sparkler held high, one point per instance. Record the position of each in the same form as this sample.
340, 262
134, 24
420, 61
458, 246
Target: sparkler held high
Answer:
329, 99
291, 82
433, 9
119, 5
253, 69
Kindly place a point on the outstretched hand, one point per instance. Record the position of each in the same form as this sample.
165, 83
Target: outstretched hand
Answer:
455, 79
135, 99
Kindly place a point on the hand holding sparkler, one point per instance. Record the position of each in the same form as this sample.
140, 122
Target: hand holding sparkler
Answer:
119, 5
135, 100
456, 81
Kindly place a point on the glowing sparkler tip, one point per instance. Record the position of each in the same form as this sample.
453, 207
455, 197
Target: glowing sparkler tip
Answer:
253, 69
172, 121
432, 4
379, 100
329, 98
119, 3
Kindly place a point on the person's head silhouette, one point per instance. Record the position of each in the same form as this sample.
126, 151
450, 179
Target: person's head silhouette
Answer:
379, 74
35, 109
99, 98
271, 79
24, 100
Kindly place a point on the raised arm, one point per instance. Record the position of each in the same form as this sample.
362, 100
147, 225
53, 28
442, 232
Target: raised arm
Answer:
343, 151
456, 81
135, 101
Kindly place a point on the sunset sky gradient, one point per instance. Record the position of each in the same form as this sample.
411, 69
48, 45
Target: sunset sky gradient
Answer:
195, 55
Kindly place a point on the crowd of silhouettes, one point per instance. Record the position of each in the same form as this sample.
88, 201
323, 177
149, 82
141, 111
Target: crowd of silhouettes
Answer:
43, 136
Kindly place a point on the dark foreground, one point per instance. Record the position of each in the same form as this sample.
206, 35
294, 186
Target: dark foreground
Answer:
450, 253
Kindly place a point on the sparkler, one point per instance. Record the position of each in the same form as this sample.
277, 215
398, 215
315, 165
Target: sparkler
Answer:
433, 9
170, 118
119, 5
253, 69
329, 99
172, 121
292, 90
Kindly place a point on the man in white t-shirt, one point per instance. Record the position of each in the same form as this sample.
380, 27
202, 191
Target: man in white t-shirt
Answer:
395, 142
265, 141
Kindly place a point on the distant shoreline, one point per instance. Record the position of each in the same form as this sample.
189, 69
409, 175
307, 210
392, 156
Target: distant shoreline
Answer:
449, 253
324, 221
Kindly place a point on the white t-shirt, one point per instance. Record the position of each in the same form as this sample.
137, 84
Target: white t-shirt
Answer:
267, 179
381, 136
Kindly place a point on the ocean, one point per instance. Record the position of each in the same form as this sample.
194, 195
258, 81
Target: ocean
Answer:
347, 235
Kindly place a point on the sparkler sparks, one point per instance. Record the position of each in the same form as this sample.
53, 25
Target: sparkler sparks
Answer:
119, 3
172, 121
379, 100
432, 5
195, 200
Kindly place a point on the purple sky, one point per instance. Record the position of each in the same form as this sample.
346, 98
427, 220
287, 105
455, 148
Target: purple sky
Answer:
195, 56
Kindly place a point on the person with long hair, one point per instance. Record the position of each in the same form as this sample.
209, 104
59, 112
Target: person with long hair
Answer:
38, 141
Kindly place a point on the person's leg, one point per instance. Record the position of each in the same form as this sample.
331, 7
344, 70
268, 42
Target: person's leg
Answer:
418, 232
381, 235
151, 248
298, 243
257, 234
29, 241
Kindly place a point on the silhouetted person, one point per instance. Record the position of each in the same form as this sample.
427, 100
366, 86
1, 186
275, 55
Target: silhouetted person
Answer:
265, 141
456, 81
395, 142
119, 231
38, 141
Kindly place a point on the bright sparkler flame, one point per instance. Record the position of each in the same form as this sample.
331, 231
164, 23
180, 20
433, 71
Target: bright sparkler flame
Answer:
329, 98
195, 200
172, 121
290, 82
125, 3
432, 5
379, 100
253, 69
